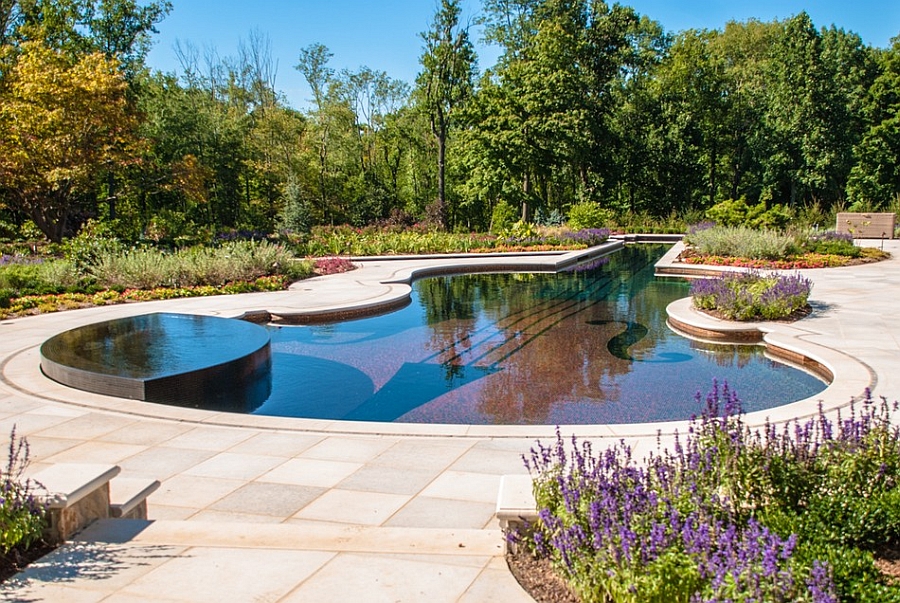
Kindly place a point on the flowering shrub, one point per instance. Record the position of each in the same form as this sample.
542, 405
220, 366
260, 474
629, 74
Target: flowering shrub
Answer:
22, 518
833, 243
325, 266
731, 514
797, 262
751, 296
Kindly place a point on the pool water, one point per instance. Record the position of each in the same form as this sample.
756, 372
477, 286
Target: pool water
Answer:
578, 347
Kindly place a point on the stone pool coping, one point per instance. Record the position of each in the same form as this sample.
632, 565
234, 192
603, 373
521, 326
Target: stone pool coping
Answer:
382, 283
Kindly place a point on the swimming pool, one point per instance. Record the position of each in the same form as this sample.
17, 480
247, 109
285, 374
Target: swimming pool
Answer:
580, 347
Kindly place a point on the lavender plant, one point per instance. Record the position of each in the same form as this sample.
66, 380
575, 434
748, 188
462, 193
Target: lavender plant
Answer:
22, 517
752, 296
787, 513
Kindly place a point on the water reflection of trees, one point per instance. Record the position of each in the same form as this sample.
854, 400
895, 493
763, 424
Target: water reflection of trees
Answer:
548, 332
728, 355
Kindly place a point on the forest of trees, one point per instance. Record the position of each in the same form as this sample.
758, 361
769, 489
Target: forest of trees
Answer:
587, 102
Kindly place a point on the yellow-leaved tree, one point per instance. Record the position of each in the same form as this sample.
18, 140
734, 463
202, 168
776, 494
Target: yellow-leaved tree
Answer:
64, 124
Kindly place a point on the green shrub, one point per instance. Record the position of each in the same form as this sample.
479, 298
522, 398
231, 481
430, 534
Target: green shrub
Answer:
736, 212
743, 242
831, 242
589, 214
503, 216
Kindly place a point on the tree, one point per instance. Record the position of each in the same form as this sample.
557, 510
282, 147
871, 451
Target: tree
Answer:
65, 123
875, 178
444, 84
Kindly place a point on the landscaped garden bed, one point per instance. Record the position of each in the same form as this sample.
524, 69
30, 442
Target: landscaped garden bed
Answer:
808, 511
743, 247
752, 295
93, 270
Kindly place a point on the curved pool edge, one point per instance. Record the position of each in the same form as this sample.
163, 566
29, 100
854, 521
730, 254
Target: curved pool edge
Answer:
20, 374
848, 378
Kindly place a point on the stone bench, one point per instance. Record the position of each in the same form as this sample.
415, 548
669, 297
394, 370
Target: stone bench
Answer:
866, 225
515, 505
77, 494
128, 497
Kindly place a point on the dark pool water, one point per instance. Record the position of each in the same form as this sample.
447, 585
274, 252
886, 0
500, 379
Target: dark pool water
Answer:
571, 348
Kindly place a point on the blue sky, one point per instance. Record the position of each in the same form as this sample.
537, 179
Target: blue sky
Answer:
385, 35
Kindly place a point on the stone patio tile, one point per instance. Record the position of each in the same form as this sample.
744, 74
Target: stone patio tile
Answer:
354, 577
496, 583
210, 438
88, 426
348, 506
194, 491
424, 512
391, 480
278, 444
50, 592
458, 485
95, 451
494, 462
232, 517
411, 454
216, 575
279, 500
349, 449
98, 567
228, 465
28, 424
162, 462
310, 472
150, 433
42, 448
11, 404
156, 511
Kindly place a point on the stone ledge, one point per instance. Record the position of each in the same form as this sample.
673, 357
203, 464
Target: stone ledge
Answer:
128, 497
515, 505
68, 483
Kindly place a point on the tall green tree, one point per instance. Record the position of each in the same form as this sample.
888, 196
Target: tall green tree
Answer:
65, 123
444, 84
874, 180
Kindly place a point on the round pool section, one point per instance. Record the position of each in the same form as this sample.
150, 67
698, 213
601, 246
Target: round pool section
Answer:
185, 360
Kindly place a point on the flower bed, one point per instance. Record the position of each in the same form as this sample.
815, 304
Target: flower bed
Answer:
730, 514
751, 295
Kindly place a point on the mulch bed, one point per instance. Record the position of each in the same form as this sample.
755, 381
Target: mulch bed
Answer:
539, 579
18, 558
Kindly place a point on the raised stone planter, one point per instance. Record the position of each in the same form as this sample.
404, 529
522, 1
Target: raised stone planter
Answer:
866, 226
515, 505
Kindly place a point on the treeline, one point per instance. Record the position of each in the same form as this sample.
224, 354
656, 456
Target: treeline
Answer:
587, 103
